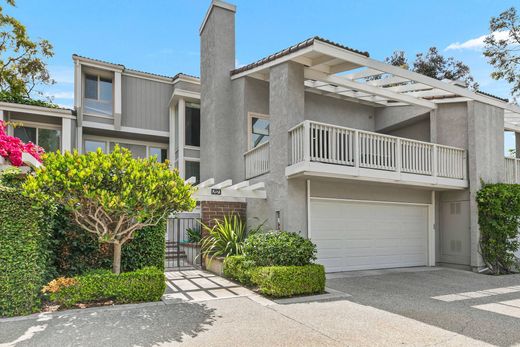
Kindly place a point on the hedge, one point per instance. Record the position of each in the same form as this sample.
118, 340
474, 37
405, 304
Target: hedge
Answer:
279, 248
23, 254
78, 251
286, 281
499, 220
238, 268
147, 284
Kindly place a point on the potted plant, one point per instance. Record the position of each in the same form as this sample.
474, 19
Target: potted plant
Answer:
191, 246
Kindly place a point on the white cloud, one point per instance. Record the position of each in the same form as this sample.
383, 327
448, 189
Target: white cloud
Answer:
476, 43
60, 95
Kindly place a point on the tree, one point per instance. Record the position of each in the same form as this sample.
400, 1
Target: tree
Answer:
434, 65
502, 48
110, 195
22, 60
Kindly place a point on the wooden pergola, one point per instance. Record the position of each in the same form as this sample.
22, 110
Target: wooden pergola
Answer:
227, 191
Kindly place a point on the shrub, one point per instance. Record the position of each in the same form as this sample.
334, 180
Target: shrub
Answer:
23, 258
279, 248
239, 268
78, 251
194, 235
225, 238
147, 284
499, 220
285, 281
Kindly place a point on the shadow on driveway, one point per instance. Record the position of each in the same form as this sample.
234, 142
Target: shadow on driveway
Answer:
148, 325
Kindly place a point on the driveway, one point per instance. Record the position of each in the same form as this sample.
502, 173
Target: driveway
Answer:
481, 307
243, 318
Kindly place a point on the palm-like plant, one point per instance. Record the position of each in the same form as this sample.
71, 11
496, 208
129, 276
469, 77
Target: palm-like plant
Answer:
225, 238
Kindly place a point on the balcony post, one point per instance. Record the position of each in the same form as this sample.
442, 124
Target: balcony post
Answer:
398, 154
464, 166
306, 141
357, 152
434, 164
515, 171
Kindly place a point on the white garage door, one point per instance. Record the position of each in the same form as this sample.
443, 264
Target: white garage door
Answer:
353, 235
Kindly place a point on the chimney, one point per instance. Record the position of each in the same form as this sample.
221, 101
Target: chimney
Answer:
217, 59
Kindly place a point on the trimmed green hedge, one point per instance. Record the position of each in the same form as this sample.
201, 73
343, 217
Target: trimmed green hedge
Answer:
78, 251
23, 257
281, 248
238, 268
499, 220
147, 284
286, 281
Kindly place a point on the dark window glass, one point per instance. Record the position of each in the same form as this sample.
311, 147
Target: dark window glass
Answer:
105, 89
161, 153
193, 170
192, 126
259, 131
49, 139
26, 134
91, 89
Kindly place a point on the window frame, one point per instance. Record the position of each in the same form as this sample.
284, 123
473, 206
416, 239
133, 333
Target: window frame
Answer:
98, 76
192, 160
37, 126
108, 140
250, 116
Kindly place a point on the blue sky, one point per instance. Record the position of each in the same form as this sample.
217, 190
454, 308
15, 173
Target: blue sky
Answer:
162, 36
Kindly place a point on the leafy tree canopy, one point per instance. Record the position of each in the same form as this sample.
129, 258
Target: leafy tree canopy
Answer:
434, 65
502, 48
22, 60
110, 195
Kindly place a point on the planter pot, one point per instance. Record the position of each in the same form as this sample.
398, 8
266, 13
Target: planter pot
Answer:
214, 265
192, 252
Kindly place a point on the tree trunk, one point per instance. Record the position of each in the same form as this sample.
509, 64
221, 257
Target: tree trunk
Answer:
116, 264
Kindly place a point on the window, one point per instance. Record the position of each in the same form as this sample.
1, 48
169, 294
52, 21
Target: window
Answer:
98, 95
92, 146
161, 153
258, 129
48, 139
138, 149
192, 125
192, 170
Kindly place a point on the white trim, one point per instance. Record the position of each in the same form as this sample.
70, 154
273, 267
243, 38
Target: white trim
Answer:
309, 219
192, 148
187, 94
373, 201
95, 125
117, 94
86, 114
216, 3
37, 110
181, 136
317, 169
66, 135
147, 76
77, 84
171, 136
97, 64
192, 159
431, 231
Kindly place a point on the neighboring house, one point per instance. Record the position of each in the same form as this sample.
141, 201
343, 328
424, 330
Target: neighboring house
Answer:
378, 165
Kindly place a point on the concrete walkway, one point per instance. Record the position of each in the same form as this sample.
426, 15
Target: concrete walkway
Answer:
236, 320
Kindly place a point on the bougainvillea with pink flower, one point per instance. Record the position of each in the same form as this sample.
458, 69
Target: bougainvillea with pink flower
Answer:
11, 148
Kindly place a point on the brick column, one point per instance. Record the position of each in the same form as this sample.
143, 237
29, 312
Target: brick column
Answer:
217, 210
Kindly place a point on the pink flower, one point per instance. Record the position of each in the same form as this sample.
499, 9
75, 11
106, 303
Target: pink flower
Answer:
11, 148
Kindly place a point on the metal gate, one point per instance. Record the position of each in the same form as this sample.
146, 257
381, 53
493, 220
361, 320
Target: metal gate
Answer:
182, 243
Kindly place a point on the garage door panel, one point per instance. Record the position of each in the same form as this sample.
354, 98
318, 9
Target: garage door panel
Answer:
363, 235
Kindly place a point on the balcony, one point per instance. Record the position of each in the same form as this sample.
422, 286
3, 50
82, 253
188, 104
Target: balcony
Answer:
325, 150
512, 168
257, 160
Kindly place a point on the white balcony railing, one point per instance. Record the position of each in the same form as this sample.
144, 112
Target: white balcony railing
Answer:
257, 160
512, 168
325, 143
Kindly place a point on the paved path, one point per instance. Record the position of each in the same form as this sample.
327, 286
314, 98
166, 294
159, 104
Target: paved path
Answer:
238, 320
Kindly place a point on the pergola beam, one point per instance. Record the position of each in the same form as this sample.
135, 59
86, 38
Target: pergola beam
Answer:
344, 82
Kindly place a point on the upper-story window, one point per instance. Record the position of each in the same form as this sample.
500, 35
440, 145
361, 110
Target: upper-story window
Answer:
138, 149
47, 138
98, 95
258, 125
192, 137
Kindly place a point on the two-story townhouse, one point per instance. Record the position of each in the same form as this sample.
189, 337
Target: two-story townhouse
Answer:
378, 165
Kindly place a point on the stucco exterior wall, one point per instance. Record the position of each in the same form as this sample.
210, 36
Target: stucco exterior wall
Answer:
389, 117
416, 130
145, 103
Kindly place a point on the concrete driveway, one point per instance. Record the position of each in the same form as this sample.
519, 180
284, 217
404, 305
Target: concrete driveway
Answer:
411, 308
481, 307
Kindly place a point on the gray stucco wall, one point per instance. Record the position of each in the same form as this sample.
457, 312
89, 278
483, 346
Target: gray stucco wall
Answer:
417, 130
389, 117
145, 103
217, 45
330, 110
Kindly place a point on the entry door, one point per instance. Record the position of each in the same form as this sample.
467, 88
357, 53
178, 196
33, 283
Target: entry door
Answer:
354, 235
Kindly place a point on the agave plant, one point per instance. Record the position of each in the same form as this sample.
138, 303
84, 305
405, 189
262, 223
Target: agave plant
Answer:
225, 238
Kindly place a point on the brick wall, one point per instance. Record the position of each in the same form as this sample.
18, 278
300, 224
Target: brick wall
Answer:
217, 210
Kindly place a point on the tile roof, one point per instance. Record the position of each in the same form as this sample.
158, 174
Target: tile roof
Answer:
173, 78
491, 96
292, 49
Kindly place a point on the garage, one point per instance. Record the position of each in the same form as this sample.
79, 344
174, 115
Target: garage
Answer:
360, 235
